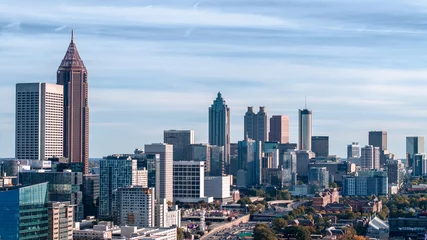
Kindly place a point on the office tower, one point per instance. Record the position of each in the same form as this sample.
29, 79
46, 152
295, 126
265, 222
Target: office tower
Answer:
370, 158
90, 189
250, 161
395, 172
185, 188
141, 178
201, 152
303, 160
219, 127
180, 139
289, 165
135, 206
24, 213
217, 161
218, 187
164, 169
366, 184
378, 139
256, 125
279, 129
353, 150
420, 165
115, 172
61, 221
249, 124
72, 74
319, 177
320, 145
63, 186
304, 129
414, 145
39, 121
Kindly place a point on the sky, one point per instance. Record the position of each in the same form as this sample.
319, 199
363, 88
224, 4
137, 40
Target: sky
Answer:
158, 64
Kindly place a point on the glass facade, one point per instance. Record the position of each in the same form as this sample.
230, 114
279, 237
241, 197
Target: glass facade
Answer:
24, 213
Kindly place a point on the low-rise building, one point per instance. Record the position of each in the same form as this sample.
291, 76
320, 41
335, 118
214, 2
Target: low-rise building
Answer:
321, 199
365, 205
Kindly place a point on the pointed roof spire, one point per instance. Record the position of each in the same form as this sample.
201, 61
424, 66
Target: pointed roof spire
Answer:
72, 58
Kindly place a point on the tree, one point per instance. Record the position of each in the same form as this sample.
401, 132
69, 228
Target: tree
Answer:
263, 232
333, 185
299, 232
279, 223
187, 235
179, 234
244, 201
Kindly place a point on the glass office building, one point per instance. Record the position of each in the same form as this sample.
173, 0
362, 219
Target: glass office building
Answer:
24, 213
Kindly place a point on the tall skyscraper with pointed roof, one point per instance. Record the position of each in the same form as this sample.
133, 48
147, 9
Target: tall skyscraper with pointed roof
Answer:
219, 127
72, 74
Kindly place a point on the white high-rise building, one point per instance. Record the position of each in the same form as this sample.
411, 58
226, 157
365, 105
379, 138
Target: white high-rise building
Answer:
370, 158
141, 178
188, 181
135, 206
164, 169
304, 130
39, 121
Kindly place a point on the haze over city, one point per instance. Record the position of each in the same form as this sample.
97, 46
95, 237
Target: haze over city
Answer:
156, 65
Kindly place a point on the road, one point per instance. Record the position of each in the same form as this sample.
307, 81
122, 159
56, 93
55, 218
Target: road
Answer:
233, 233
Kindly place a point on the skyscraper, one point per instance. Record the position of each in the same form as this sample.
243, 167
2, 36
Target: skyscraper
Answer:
279, 129
219, 127
320, 145
39, 121
164, 169
378, 139
370, 158
304, 129
353, 150
256, 125
250, 161
180, 139
72, 74
414, 145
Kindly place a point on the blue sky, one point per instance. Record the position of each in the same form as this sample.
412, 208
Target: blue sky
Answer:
158, 64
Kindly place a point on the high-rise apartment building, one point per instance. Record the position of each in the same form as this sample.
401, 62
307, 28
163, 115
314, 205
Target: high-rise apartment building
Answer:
414, 145
256, 125
72, 74
188, 181
135, 206
378, 139
219, 127
353, 150
320, 145
304, 129
24, 213
90, 191
115, 172
279, 129
39, 121
164, 169
61, 220
319, 177
395, 172
180, 139
368, 183
370, 158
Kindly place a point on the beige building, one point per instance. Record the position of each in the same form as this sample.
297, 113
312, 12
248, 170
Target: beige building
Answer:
164, 169
60, 220
279, 129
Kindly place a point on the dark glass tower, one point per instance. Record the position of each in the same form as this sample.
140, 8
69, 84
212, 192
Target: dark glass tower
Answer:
72, 74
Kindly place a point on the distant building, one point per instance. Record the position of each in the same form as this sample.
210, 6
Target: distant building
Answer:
256, 125
180, 139
414, 145
135, 206
279, 129
320, 145
218, 187
164, 169
370, 158
219, 128
90, 191
353, 150
303, 160
24, 213
419, 165
61, 220
116, 172
364, 205
321, 199
167, 216
289, 166
336, 169
319, 177
304, 129
395, 172
217, 167
141, 178
189, 189
250, 160
408, 228
379, 139
366, 184
273, 177
39, 121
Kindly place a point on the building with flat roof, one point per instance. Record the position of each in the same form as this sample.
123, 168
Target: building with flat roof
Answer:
180, 139
279, 129
164, 169
135, 206
320, 145
61, 220
188, 181
218, 187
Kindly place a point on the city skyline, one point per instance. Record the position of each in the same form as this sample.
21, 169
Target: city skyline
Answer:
382, 92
